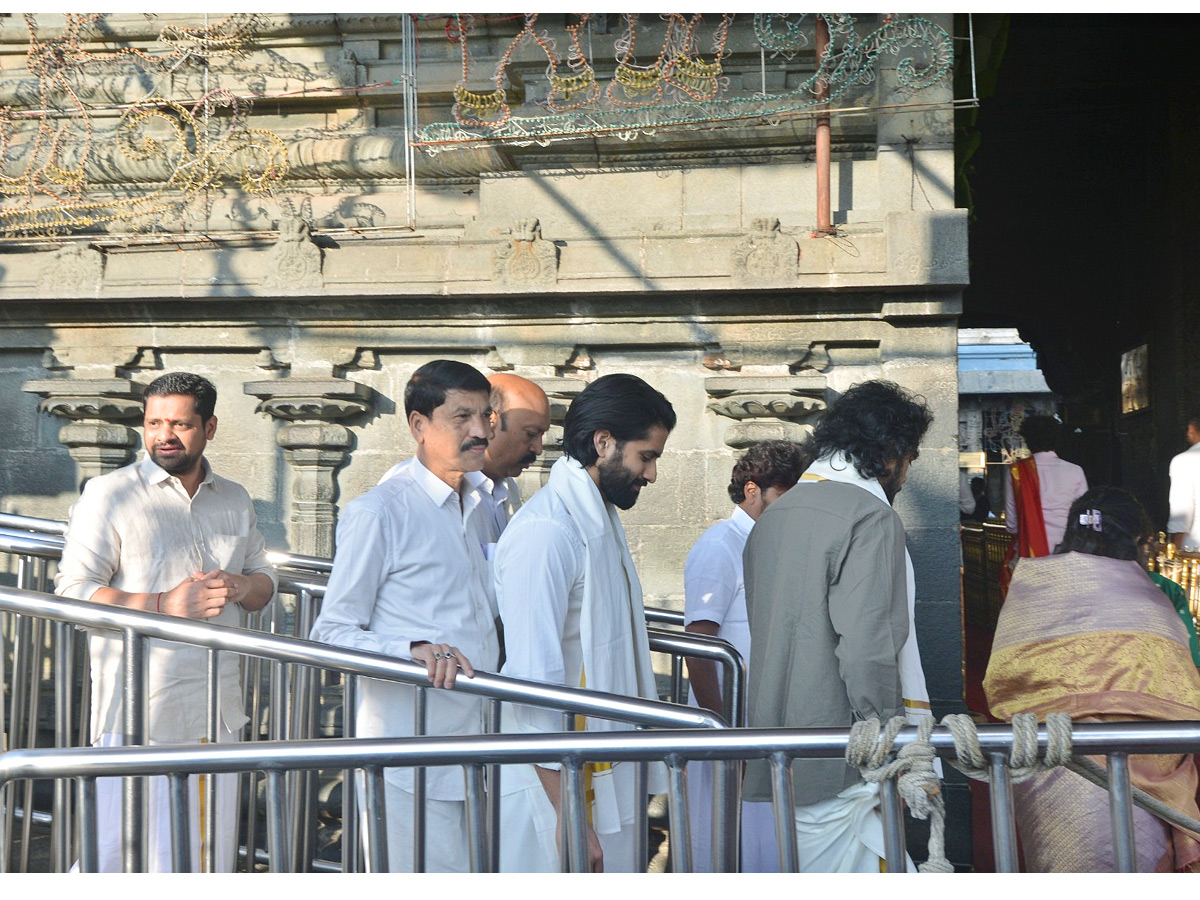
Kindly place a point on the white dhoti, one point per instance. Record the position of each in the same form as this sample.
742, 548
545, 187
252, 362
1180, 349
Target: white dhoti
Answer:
760, 850
843, 834
445, 831
158, 803
525, 849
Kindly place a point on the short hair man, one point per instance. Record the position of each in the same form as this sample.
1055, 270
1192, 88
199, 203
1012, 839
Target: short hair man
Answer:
572, 609
715, 604
1184, 524
409, 580
1040, 489
829, 592
167, 535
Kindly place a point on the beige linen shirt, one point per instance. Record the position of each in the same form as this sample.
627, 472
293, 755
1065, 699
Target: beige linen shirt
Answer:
137, 530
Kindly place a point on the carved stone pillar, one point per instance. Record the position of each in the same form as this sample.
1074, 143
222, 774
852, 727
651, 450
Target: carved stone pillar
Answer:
96, 410
315, 445
766, 407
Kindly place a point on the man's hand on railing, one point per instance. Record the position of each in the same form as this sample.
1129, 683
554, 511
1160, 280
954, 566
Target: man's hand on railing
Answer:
442, 662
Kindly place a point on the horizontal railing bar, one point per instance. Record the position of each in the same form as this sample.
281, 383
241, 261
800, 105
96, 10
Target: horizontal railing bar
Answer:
664, 616
483, 749
32, 523
359, 662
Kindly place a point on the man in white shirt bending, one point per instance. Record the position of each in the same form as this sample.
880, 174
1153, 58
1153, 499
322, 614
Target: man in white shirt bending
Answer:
409, 580
1184, 524
572, 609
715, 605
167, 535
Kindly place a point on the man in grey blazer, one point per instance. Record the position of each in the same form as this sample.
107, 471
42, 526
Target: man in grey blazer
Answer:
829, 594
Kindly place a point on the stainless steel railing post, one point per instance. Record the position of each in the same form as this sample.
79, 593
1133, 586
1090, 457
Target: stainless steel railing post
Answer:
476, 810
1121, 808
351, 843
1004, 827
181, 830
492, 726
133, 803
208, 823
574, 815
64, 692
418, 835
89, 853
895, 855
677, 812
783, 804
375, 812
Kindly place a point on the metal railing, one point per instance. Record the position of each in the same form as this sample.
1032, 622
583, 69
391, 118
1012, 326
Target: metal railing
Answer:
474, 753
136, 627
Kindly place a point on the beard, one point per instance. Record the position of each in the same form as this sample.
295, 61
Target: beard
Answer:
618, 485
184, 462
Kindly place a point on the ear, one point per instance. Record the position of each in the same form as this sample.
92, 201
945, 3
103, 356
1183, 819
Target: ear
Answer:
751, 490
210, 428
416, 425
604, 443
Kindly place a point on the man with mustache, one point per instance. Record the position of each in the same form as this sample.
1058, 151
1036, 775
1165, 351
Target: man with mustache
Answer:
166, 535
572, 609
409, 580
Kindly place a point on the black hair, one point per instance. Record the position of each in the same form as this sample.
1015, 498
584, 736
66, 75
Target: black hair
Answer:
875, 423
1106, 521
621, 404
185, 384
1041, 433
426, 389
769, 464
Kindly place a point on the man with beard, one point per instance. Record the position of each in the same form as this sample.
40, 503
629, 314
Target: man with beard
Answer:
830, 597
409, 580
166, 535
572, 609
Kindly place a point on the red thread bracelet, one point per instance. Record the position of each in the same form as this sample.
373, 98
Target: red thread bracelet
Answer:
158, 602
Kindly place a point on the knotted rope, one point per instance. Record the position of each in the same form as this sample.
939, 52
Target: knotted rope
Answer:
870, 750
916, 779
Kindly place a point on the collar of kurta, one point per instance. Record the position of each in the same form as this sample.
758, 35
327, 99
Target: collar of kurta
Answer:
156, 474
742, 520
839, 467
439, 492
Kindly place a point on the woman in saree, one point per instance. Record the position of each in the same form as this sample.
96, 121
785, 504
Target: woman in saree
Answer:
1086, 632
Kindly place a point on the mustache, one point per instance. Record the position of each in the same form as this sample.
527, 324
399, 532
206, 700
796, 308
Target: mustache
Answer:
528, 459
473, 443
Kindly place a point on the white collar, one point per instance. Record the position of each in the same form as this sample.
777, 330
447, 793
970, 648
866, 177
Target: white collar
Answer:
838, 466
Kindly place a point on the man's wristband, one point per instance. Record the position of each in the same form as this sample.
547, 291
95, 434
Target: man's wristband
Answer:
158, 602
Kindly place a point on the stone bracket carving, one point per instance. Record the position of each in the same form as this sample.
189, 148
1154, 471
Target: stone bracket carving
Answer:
75, 270
96, 410
294, 263
526, 260
766, 257
315, 445
766, 407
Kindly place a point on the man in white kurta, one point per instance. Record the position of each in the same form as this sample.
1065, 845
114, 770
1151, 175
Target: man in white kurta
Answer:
1184, 523
571, 604
167, 535
715, 604
408, 581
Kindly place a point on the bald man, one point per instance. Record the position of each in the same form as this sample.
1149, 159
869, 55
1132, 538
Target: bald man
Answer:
520, 420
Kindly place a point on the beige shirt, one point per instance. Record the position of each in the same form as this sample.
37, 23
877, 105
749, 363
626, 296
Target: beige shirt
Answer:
137, 530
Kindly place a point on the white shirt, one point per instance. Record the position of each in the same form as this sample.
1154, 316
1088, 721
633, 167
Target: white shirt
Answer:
137, 530
407, 569
714, 589
1185, 497
1060, 484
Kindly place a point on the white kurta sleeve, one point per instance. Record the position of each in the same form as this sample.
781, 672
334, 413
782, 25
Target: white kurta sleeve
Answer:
709, 582
538, 563
360, 567
92, 551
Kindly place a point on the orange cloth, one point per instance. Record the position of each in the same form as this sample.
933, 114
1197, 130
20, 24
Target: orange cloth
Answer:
1031, 526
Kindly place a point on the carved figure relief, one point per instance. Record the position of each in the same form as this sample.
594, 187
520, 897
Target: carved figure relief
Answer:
766, 256
75, 270
527, 260
294, 264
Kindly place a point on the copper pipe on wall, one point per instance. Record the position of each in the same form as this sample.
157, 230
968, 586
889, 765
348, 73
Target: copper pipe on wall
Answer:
824, 214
